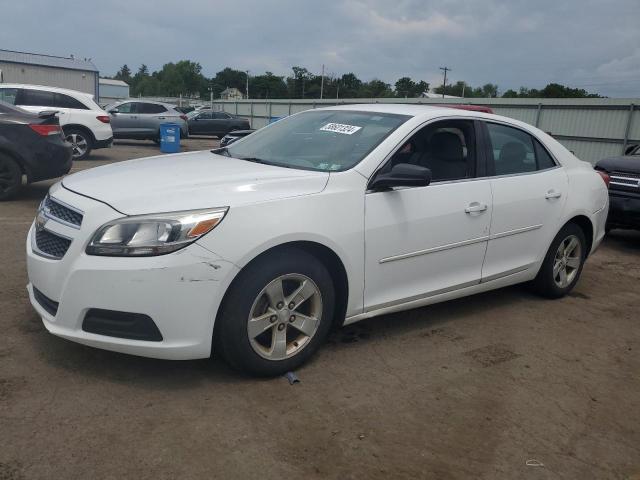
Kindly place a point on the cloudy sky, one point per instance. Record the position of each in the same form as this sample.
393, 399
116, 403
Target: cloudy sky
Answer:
582, 43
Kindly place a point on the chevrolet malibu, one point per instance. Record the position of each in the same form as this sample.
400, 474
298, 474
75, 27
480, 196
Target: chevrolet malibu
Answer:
324, 218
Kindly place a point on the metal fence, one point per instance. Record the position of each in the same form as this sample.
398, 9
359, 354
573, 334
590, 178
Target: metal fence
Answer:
592, 128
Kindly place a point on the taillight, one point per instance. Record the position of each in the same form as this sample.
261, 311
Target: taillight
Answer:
605, 177
46, 130
104, 118
184, 117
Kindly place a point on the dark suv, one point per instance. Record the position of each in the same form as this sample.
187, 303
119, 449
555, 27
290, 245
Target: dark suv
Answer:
624, 188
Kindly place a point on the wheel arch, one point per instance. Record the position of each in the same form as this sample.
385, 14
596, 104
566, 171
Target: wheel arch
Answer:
85, 129
586, 225
327, 256
18, 159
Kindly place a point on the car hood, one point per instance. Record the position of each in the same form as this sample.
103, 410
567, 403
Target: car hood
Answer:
622, 164
190, 181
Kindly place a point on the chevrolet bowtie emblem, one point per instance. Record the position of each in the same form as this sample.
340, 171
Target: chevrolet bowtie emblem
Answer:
41, 219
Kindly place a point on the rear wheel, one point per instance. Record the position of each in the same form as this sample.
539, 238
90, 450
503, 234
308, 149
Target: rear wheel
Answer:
10, 177
276, 313
563, 263
80, 142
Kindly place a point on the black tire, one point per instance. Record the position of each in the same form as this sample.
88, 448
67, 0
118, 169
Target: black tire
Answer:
545, 283
231, 338
10, 177
82, 142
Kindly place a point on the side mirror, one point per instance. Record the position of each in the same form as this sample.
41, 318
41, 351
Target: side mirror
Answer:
113, 111
402, 175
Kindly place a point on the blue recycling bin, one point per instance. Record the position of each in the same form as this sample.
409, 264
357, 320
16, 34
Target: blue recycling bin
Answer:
169, 138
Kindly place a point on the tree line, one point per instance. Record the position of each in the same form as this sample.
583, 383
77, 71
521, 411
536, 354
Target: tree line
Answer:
185, 78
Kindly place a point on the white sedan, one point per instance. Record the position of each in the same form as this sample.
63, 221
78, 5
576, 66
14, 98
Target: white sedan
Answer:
324, 218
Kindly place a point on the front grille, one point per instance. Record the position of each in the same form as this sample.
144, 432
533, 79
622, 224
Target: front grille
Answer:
45, 302
134, 326
56, 209
52, 244
624, 181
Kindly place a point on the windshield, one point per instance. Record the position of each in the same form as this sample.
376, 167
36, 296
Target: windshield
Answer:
325, 140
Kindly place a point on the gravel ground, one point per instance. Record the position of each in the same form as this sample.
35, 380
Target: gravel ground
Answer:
472, 388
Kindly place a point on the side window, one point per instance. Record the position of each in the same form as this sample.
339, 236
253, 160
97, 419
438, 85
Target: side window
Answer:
128, 107
205, 116
65, 101
8, 95
37, 98
150, 108
221, 116
447, 148
543, 158
515, 151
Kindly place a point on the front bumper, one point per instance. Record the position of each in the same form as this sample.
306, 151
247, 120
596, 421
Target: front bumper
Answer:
180, 292
624, 210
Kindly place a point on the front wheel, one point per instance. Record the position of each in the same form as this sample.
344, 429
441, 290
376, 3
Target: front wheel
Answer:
276, 313
563, 263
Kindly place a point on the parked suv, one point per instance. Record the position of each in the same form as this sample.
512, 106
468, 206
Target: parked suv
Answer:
141, 120
85, 124
624, 188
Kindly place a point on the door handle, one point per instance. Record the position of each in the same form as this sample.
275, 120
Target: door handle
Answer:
551, 194
162, 118
475, 207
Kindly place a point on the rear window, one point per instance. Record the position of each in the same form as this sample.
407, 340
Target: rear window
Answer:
8, 95
36, 98
150, 108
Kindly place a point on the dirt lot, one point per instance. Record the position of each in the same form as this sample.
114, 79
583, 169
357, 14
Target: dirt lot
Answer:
472, 388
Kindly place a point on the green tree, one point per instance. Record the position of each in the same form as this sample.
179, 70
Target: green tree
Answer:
123, 74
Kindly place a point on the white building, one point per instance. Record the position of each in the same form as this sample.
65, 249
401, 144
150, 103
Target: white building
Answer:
231, 93
37, 69
113, 91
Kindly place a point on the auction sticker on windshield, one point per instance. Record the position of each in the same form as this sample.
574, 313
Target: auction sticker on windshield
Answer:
340, 128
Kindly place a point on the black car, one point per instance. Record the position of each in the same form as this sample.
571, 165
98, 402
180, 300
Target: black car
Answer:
624, 188
31, 145
215, 123
231, 137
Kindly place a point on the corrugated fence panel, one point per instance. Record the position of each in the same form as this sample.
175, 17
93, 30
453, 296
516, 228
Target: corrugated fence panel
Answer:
591, 128
584, 123
585, 149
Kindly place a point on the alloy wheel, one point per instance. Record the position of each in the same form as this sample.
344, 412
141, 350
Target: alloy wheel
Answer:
78, 143
567, 261
284, 317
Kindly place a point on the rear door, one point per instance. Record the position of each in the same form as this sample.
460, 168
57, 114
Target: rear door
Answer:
529, 191
150, 117
202, 124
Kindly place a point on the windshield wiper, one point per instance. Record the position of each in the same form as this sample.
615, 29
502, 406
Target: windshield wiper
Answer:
221, 151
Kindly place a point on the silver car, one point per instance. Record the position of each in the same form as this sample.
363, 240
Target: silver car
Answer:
141, 119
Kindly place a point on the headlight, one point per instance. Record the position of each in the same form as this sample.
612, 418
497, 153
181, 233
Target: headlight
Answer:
147, 235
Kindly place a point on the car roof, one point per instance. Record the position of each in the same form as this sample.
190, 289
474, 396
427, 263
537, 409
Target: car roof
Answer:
47, 88
426, 112
141, 100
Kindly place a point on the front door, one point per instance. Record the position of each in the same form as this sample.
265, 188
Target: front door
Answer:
421, 241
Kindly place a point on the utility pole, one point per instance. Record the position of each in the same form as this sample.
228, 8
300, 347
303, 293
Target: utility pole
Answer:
247, 89
444, 84
337, 90
322, 82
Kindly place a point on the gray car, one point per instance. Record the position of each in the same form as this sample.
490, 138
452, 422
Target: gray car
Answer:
141, 119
